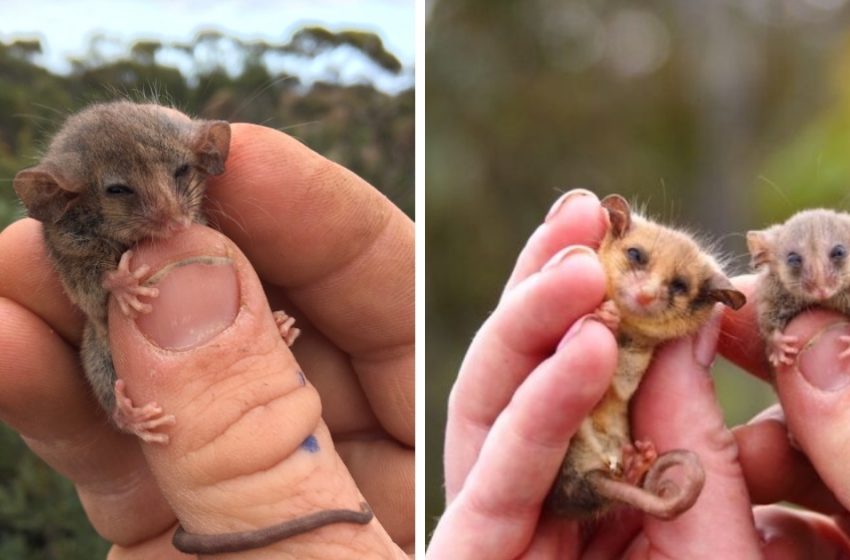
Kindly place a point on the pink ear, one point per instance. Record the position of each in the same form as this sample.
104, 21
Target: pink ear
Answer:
45, 193
619, 214
211, 146
760, 246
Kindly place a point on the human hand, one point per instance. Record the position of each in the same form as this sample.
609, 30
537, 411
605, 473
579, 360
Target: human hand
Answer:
329, 249
814, 395
533, 372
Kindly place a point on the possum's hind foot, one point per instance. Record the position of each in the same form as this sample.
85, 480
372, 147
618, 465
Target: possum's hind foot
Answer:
142, 421
638, 458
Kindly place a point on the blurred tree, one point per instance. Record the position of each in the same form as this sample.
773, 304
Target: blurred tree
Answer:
316, 40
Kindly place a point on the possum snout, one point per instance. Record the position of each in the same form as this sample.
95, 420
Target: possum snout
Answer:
821, 281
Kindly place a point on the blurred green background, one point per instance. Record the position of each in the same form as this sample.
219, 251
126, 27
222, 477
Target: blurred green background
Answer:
359, 126
722, 116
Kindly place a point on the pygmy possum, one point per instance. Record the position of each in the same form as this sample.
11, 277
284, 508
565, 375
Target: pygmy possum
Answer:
661, 285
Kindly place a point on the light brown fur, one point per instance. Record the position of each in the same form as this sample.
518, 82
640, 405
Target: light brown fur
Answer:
683, 283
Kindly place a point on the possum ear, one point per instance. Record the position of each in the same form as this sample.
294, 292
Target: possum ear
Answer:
759, 245
45, 192
619, 214
721, 289
211, 145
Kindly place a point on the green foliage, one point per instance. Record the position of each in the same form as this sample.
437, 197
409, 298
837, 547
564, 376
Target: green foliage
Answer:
40, 515
314, 40
360, 127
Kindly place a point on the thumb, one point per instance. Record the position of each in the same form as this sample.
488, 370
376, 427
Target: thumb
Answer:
248, 449
676, 408
815, 394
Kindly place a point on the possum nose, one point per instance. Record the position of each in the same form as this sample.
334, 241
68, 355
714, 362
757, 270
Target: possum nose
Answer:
645, 297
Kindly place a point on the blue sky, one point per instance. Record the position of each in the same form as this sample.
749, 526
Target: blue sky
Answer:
66, 27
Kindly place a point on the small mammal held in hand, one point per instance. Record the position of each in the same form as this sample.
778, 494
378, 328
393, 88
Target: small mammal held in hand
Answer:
802, 263
661, 286
116, 174
191, 543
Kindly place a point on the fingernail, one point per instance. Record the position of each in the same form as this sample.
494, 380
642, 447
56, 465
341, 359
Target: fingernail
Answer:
575, 329
818, 362
705, 343
198, 299
562, 255
575, 193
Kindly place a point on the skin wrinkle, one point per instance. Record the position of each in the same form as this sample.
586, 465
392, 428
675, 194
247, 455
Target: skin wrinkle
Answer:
360, 254
340, 275
395, 416
238, 424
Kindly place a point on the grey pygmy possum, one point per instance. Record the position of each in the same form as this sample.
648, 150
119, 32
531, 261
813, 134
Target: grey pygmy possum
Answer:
661, 285
114, 175
802, 263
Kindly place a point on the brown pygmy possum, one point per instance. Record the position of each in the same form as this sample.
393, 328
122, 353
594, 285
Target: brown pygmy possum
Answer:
116, 174
802, 263
661, 286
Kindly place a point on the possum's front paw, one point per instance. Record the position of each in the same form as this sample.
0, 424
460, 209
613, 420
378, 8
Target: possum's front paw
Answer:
142, 421
286, 326
124, 286
782, 348
608, 314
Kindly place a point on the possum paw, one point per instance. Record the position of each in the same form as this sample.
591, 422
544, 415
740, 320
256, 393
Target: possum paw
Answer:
141, 421
124, 286
286, 326
608, 314
638, 458
782, 349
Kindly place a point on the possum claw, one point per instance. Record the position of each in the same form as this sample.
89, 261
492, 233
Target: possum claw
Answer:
124, 285
638, 458
285, 325
608, 314
141, 421
782, 349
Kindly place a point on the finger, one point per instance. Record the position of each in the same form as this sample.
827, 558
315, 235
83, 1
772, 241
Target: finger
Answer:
248, 449
791, 534
27, 277
740, 339
576, 218
676, 408
520, 334
338, 254
815, 395
339, 249
777, 472
498, 508
44, 397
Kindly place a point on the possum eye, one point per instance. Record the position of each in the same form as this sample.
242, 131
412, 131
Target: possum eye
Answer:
119, 190
794, 260
838, 253
636, 256
181, 171
678, 286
